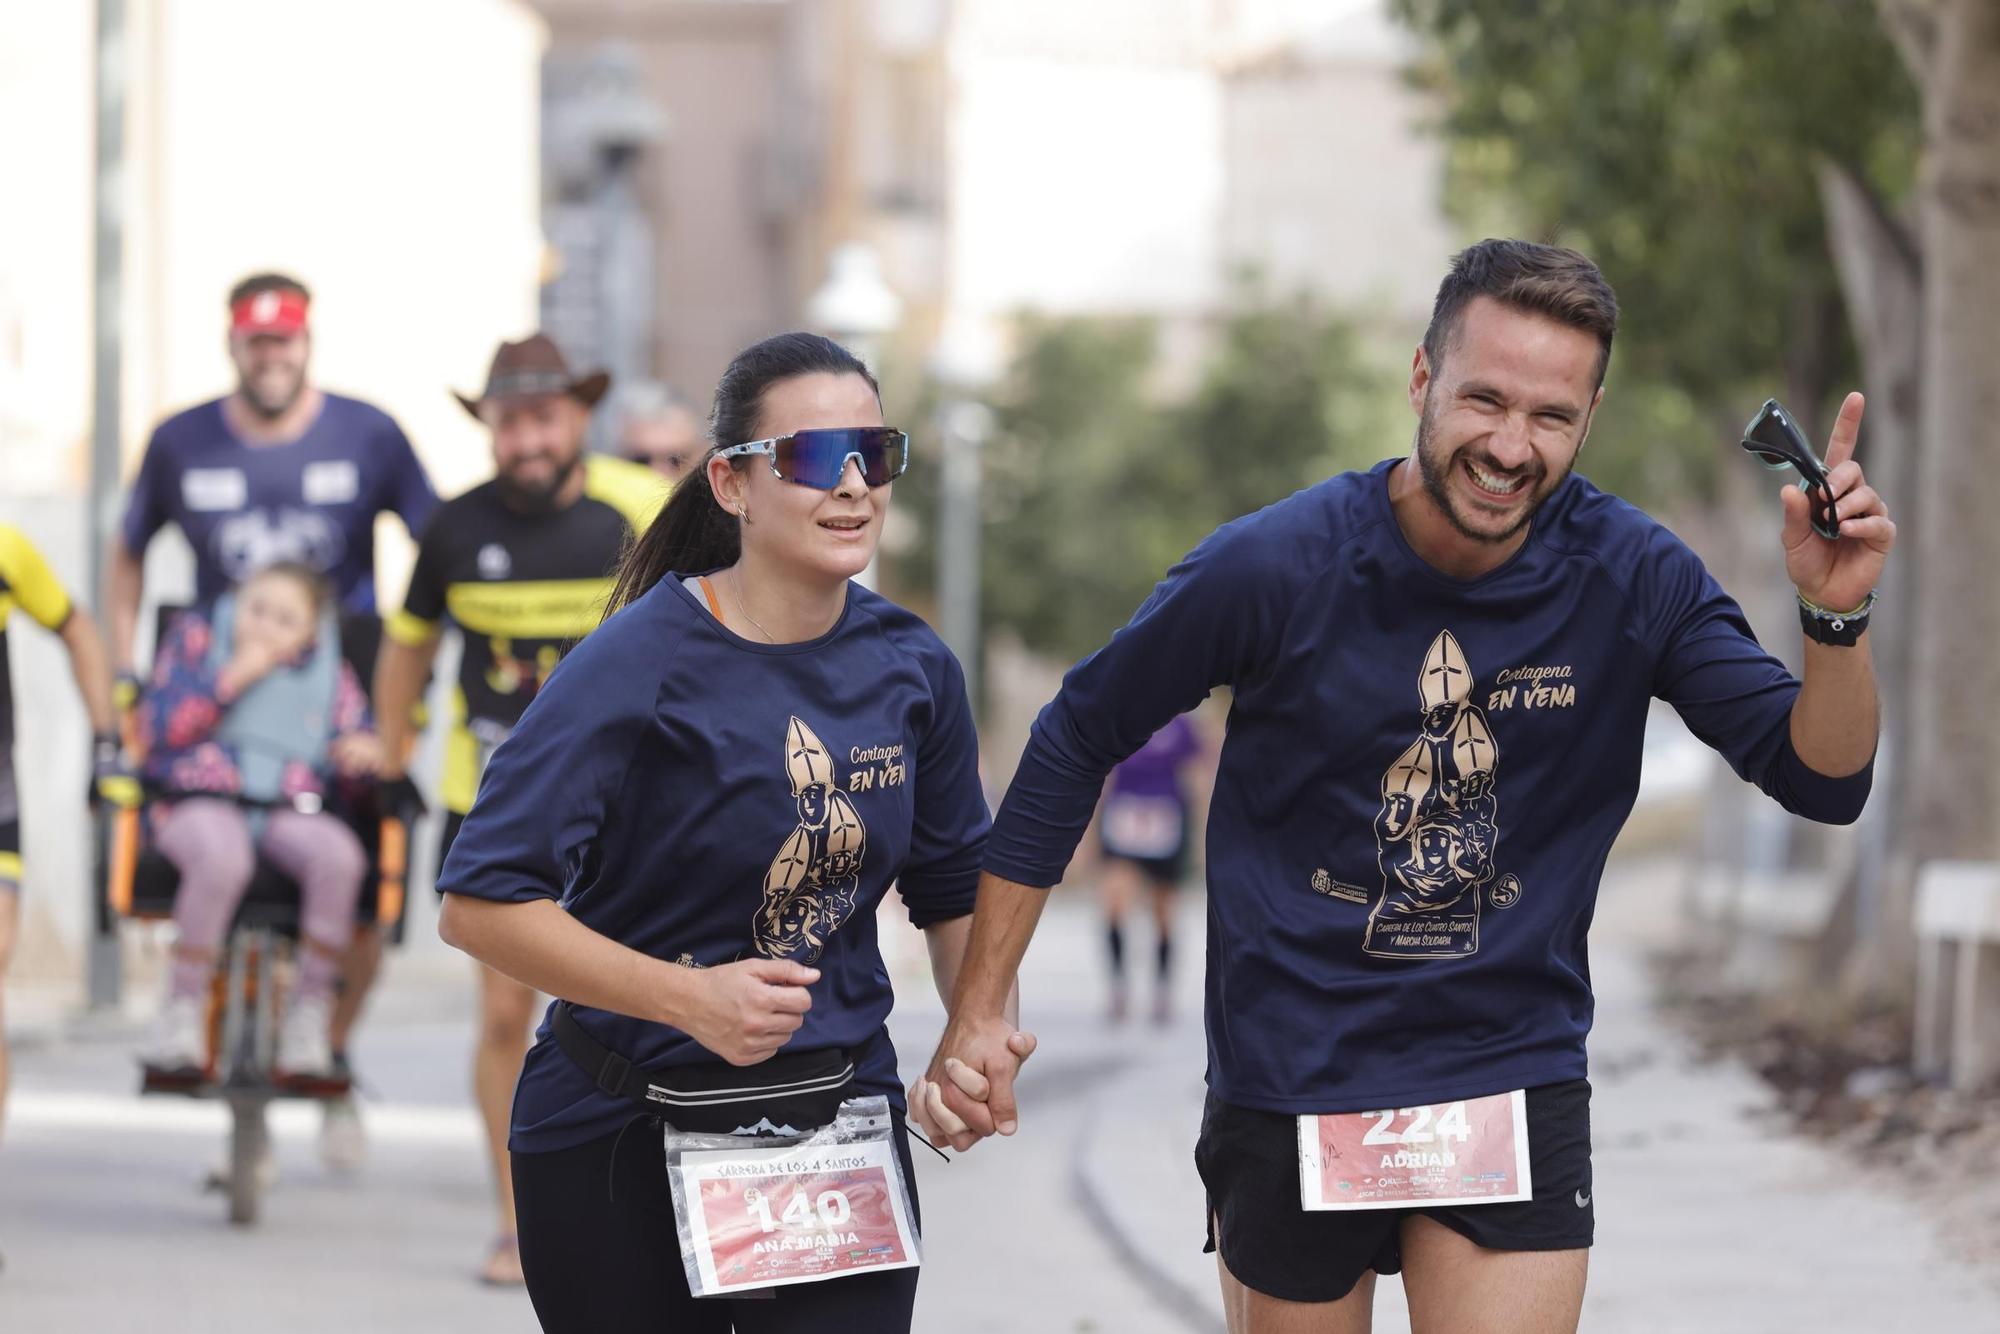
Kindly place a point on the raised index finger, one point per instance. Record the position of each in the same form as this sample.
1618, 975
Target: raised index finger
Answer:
1846, 430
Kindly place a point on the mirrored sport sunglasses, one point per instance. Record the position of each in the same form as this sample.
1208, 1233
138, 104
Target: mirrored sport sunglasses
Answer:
818, 458
1775, 440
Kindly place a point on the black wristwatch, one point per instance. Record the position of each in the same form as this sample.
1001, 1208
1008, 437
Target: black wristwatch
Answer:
1842, 629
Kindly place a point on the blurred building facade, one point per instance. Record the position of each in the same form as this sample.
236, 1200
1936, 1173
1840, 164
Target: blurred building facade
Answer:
703, 159
745, 141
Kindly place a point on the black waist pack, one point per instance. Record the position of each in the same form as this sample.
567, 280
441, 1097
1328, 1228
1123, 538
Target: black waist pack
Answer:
790, 1094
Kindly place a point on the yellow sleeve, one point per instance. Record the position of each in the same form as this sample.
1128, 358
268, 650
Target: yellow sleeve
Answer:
34, 587
410, 630
633, 489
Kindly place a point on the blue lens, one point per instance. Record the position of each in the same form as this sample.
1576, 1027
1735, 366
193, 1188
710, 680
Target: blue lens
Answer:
817, 458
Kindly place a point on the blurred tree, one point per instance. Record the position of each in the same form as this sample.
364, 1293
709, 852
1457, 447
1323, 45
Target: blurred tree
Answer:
1947, 782
1096, 482
1677, 142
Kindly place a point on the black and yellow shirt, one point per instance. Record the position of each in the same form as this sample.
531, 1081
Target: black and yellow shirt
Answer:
27, 583
522, 588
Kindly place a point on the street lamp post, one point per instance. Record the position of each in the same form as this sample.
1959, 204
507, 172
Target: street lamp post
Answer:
964, 363
102, 961
856, 308
966, 424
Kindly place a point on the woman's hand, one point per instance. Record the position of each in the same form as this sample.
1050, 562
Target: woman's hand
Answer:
745, 1011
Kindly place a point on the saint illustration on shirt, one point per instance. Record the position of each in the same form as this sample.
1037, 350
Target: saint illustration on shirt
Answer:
1438, 824
811, 886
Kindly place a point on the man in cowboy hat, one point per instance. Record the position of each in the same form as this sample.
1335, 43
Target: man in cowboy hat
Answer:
522, 565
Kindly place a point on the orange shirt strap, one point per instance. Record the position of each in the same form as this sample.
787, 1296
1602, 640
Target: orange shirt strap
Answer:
708, 591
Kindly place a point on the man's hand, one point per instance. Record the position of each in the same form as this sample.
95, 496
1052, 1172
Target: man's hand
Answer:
1839, 574
357, 755
400, 796
111, 779
747, 1010
968, 1091
125, 688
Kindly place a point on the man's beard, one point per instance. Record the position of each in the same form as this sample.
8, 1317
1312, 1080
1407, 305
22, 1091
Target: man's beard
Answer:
1435, 467
537, 498
268, 405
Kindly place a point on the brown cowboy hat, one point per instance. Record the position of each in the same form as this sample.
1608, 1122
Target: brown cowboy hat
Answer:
535, 365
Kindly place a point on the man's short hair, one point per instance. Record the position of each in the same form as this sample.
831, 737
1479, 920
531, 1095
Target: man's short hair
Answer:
1549, 280
266, 282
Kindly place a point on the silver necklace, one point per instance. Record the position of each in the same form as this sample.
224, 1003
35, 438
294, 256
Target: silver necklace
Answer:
737, 594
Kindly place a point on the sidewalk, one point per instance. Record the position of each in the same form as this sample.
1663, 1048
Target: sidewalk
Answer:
1712, 1219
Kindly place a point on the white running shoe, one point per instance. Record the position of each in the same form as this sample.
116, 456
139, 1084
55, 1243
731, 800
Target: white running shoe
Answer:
303, 1045
178, 1039
343, 1146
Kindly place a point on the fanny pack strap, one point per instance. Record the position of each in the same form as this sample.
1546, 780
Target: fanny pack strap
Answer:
611, 1072
616, 1075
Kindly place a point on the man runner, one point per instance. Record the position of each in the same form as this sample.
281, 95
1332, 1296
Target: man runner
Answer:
1440, 670
523, 565
276, 470
27, 584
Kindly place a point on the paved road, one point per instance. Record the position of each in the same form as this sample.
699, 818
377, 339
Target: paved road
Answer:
1712, 1221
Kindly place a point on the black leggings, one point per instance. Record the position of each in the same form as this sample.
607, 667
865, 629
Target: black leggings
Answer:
600, 1261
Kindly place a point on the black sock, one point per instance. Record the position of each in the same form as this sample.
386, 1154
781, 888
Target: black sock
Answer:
1114, 939
1166, 956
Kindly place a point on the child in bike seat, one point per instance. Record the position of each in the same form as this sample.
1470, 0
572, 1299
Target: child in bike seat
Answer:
251, 725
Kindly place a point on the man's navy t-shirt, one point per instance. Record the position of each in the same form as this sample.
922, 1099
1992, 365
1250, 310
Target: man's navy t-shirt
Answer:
1422, 779
703, 799
313, 499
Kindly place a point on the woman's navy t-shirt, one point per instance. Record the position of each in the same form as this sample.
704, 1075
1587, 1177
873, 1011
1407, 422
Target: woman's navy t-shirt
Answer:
704, 799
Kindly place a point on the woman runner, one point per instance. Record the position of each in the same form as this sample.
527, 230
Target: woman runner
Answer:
686, 838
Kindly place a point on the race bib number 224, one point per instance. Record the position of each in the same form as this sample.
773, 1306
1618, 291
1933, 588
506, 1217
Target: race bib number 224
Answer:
1470, 1151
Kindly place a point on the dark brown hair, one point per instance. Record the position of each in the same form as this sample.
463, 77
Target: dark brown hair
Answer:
1542, 279
692, 534
315, 583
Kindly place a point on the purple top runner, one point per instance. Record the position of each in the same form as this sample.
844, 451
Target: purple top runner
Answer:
1154, 769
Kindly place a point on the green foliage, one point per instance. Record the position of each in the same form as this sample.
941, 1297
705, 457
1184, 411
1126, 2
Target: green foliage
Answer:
1094, 485
1677, 142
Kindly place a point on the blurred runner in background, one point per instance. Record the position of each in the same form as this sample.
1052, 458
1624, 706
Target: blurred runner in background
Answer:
1145, 828
276, 470
522, 564
27, 583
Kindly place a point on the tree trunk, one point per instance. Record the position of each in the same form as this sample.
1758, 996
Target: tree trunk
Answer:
1953, 789
1870, 939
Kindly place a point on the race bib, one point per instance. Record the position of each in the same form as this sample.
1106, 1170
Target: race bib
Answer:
331, 482
1472, 1151
215, 490
1148, 827
830, 1205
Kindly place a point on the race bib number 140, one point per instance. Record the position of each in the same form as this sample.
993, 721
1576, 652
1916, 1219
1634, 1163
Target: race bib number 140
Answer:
762, 1218
1472, 1151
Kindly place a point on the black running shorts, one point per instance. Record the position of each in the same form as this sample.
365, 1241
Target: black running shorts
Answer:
1249, 1162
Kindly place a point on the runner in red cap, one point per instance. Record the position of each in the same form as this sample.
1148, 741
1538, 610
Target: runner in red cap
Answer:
277, 470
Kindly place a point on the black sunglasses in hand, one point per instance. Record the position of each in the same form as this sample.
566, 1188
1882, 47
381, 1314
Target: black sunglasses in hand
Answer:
1774, 439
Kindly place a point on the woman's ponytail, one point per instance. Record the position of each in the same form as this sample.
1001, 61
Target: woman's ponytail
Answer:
691, 533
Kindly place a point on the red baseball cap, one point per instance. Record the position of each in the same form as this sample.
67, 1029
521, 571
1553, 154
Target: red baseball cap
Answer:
271, 311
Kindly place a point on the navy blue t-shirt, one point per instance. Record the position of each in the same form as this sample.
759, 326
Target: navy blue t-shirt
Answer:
703, 799
1421, 781
312, 500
